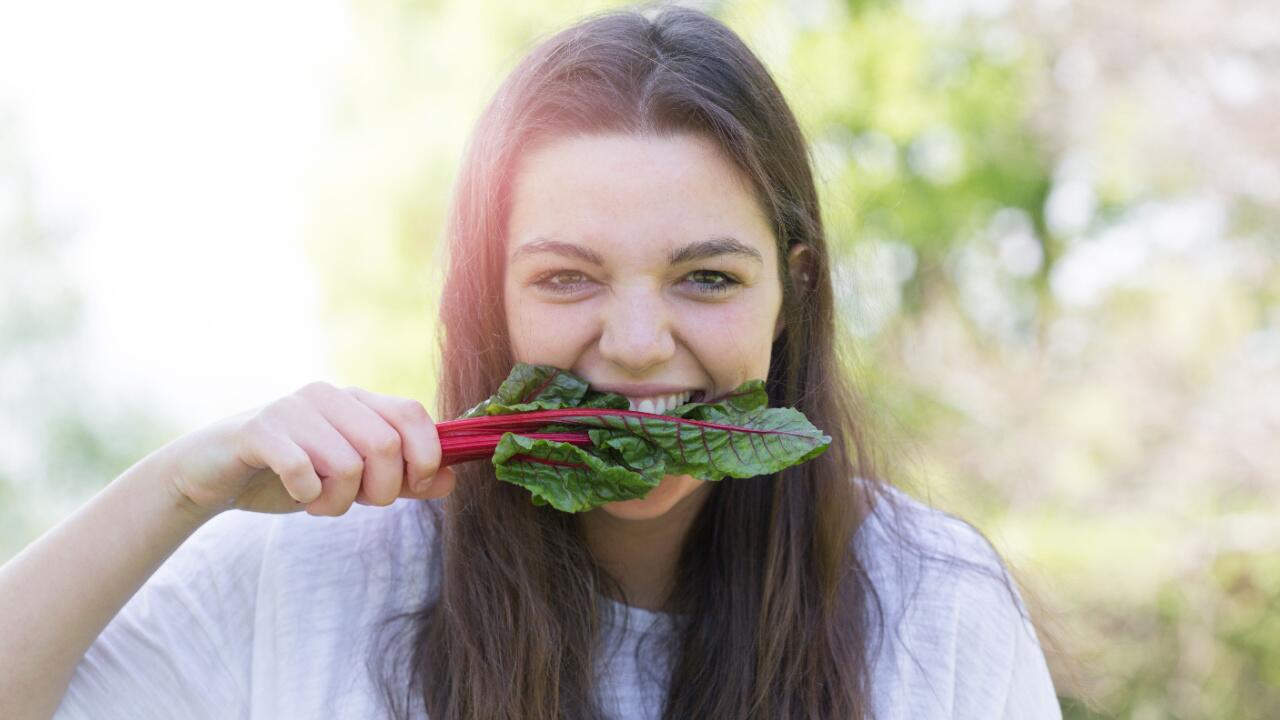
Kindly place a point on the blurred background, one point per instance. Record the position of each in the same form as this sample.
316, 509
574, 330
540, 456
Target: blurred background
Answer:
1058, 256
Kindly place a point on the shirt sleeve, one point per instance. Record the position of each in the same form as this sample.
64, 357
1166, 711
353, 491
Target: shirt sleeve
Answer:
1000, 669
182, 646
1030, 692
955, 641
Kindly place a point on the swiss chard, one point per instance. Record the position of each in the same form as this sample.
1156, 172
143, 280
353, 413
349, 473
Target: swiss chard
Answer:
575, 448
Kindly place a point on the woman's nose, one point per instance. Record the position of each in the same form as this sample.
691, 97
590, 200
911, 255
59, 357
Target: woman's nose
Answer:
637, 331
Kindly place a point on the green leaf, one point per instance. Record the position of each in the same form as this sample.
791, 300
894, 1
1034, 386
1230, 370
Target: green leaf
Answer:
567, 477
543, 387
737, 436
719, 444
750, 395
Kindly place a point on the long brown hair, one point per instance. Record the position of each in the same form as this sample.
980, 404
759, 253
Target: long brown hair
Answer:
777, 607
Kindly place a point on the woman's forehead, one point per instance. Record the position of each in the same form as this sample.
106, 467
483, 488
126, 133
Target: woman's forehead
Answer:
671, 195
668, 166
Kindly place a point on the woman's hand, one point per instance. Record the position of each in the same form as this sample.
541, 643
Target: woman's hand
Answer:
318, 448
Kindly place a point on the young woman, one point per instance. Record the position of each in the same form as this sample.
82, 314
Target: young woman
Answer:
636, 206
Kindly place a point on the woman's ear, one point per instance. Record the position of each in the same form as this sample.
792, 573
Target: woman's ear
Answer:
800, 264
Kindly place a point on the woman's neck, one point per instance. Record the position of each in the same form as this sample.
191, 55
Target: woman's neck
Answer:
642, 554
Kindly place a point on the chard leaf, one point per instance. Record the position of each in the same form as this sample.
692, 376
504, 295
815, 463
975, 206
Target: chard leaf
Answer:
543, 387
736, 435
532, 387
750, 395
720, 444
634, 451
567, 477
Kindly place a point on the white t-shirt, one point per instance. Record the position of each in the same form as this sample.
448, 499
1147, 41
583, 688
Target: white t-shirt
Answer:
272, 616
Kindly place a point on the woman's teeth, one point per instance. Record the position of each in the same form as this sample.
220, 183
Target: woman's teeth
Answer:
660, 403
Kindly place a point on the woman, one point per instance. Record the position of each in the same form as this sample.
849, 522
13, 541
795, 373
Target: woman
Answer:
639, 198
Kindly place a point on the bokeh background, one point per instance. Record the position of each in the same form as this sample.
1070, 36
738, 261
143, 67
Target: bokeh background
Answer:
1056, 224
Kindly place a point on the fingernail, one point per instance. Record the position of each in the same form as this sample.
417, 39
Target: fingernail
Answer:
423, 484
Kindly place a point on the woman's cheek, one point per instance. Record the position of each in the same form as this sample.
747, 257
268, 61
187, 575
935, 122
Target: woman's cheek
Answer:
572, 325
730, 330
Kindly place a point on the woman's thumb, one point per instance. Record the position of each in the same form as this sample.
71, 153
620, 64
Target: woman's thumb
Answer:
432, 487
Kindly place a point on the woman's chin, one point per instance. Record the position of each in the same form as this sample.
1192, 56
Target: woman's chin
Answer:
671, 492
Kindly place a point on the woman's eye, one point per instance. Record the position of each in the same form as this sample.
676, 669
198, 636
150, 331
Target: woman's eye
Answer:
707, 282
556, 281
713, 282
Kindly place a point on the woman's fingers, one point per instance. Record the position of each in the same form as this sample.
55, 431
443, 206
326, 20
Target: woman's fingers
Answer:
439, 486
372, 460
318, 446
331, 447
419, 443
269, 448
337, 460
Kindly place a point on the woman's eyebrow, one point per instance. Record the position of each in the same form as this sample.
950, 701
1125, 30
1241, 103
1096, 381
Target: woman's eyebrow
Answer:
700, 250
556, 247
704, 249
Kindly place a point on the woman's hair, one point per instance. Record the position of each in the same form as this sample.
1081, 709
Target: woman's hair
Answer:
776, 606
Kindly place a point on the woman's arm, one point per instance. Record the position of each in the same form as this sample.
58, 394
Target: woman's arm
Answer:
58, 594
61, 592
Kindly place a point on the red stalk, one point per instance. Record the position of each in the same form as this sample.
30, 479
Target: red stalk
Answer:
516, 422
476, 438
474, 445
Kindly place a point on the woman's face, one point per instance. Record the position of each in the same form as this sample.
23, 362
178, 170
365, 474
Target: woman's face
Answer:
645, 266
